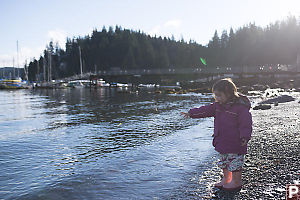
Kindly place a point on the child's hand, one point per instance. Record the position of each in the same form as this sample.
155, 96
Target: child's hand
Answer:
244, 141
185, 115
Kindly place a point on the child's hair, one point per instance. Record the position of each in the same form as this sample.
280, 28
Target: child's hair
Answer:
226, 86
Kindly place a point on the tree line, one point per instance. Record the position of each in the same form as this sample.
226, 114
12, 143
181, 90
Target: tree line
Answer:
277, 43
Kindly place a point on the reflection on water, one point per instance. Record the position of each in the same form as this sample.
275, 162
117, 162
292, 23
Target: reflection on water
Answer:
98, 143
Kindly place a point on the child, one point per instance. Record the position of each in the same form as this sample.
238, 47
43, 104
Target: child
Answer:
232, 130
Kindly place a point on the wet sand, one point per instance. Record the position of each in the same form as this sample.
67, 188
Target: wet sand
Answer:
273, 159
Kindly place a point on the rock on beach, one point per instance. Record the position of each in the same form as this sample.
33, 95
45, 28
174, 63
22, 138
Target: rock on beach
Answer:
265, 105
280, 99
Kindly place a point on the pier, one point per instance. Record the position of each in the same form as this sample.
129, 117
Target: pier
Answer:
200, 74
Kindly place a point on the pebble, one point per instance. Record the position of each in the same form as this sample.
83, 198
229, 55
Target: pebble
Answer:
262, 107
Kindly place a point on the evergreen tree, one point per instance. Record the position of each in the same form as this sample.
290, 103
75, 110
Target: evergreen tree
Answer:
278, 43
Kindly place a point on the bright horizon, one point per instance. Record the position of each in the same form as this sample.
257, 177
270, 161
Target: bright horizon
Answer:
34, 23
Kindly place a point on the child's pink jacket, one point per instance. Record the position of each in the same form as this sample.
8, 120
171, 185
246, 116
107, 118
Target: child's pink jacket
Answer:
232, 122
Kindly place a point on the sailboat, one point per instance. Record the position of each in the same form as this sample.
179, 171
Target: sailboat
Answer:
79, 83
14, 82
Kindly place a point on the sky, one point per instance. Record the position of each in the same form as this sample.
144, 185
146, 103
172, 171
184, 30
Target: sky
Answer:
34, 23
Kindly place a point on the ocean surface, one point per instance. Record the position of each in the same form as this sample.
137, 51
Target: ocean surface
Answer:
101, 144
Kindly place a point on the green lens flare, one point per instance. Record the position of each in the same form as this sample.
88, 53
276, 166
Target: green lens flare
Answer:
203, 61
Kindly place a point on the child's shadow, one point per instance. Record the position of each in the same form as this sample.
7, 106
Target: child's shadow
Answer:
225, 195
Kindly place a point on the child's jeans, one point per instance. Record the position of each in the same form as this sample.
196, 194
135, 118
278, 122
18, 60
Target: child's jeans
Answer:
231, 161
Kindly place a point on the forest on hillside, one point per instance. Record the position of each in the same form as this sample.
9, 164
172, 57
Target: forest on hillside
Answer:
251, 45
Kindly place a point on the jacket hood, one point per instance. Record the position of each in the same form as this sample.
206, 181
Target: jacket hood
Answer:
242, 100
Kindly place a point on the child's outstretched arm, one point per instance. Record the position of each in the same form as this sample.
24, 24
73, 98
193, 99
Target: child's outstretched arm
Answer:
203, 111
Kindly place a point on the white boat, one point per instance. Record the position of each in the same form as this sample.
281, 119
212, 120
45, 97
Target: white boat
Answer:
122, 85
99, 83
102, 83
78, 83
147, 85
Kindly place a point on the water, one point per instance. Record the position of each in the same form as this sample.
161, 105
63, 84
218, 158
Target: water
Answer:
99, 144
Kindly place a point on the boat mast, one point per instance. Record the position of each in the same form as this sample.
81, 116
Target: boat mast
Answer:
18, 57
49, 65
38, 70
44, 68
80, 61
14, 73
3, 72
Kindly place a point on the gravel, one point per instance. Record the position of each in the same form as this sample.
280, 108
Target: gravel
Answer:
272, 160
273, 153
